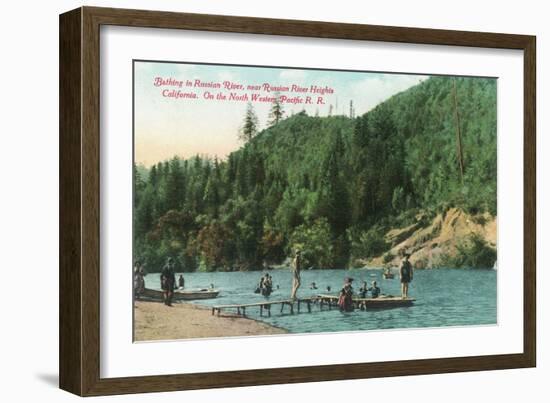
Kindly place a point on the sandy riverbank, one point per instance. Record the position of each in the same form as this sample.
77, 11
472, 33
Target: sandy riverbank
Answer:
155, 321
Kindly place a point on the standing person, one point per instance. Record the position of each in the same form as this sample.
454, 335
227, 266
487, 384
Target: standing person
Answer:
168, 281
266, 285
181, 282
139, 280
260, 285
297, 265
406, 275
345, 300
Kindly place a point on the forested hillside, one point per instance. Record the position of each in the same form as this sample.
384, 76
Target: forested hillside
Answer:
329, 186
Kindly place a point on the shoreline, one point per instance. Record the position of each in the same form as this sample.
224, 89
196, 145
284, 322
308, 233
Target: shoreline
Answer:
153, 321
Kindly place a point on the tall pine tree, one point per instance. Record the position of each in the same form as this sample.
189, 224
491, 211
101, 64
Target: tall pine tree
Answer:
276, 113
250, 124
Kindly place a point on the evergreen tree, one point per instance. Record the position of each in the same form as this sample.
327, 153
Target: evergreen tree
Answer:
276, 113
139, 185
153, 176
175, 185
333, 185
335, 198
250, 124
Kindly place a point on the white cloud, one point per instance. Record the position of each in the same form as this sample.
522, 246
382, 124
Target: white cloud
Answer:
225, 75
373, 90
292, 76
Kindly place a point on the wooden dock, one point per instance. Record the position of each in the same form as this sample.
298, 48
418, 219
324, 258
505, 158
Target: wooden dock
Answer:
322, 300
266, 306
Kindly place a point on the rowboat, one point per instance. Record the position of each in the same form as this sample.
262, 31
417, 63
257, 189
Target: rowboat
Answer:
382, 302
181, 295
388, 276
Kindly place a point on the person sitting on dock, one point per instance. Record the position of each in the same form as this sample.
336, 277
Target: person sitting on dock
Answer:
406, 275
374, 290
345, 300
363, 290
181, 282
168, 281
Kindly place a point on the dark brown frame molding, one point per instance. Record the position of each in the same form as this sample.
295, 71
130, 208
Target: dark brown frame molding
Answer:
79, 319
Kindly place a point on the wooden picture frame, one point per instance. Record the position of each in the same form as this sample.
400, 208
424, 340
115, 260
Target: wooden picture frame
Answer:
79, 316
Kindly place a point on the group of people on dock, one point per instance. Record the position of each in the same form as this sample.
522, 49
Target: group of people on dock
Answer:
265, 285
345, 298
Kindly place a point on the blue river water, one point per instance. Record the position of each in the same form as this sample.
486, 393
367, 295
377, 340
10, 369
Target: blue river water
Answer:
444, 297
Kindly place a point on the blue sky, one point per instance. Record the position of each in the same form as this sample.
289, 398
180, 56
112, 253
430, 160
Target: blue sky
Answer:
165, 126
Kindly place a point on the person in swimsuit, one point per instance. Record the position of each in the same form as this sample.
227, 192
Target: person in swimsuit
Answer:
168, 281
406, 275
363, 290
296, 280
374, 290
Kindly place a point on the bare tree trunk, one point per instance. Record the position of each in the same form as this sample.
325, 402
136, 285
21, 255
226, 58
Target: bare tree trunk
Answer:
458, 136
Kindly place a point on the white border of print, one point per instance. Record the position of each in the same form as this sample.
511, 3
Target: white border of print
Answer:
119, 357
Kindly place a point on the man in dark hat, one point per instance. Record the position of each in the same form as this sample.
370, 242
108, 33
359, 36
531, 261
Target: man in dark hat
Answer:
296, 267
168, 281
406, 275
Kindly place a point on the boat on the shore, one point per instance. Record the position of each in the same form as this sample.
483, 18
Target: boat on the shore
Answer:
181, 295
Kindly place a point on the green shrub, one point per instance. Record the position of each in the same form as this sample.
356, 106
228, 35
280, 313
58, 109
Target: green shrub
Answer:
474, 253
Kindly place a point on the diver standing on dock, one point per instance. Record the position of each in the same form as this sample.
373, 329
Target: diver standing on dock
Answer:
406, 275
296, 266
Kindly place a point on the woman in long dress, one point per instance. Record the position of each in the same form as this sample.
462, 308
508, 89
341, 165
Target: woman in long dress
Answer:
345, 300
